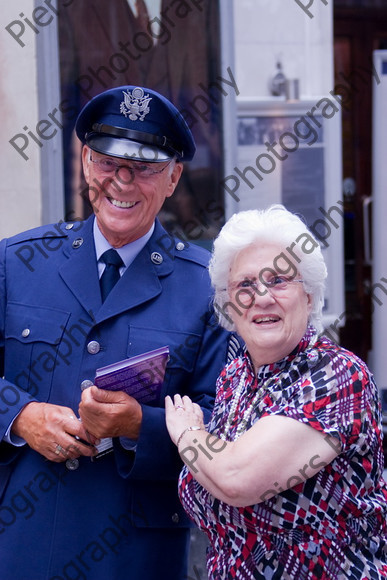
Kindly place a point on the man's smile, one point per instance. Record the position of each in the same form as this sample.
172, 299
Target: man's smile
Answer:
122, 204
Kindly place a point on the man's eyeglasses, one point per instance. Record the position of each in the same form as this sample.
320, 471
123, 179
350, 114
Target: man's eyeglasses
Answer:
139, 170
246, 290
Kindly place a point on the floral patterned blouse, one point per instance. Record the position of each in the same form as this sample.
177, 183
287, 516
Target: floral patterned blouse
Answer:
329, 526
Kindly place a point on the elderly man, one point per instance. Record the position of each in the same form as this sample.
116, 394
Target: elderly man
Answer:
88, 476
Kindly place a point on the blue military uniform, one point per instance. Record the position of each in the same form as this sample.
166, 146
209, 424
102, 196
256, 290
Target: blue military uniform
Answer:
82, 520
117, 517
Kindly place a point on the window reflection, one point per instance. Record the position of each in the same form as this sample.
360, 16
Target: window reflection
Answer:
171, 47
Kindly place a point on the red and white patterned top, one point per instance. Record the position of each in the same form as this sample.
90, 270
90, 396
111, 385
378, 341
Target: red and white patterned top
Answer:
330, 526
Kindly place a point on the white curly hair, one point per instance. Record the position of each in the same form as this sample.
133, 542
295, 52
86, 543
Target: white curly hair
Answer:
300, 252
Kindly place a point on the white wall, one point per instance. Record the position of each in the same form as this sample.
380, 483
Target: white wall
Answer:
268, 29
377, 356
20, 198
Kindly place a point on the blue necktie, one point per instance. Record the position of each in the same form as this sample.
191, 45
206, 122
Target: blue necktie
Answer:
111, 274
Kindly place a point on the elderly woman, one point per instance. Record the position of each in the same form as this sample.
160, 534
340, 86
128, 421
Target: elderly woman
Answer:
287, 477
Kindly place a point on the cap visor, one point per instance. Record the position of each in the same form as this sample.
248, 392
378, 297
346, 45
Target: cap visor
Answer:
116, 147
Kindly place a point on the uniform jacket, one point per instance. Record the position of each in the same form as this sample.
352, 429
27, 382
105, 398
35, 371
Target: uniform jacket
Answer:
50, 312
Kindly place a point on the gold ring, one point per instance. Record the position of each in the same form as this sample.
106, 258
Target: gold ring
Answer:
179, 407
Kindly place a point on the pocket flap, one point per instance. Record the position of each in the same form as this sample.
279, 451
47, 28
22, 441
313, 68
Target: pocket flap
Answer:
35, 324
183, 346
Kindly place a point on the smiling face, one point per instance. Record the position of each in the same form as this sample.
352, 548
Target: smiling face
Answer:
126, 207
271, 324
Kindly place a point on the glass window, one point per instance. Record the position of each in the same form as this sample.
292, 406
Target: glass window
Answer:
169, 46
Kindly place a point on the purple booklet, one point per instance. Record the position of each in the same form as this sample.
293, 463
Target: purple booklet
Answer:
141, 376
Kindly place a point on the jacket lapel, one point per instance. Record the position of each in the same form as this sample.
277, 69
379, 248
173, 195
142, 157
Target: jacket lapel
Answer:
80, 272
140, 282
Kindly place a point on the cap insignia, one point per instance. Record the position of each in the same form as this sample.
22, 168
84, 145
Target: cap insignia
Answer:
135, 104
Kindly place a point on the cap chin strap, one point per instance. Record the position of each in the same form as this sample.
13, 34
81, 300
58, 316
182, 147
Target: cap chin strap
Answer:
145, 138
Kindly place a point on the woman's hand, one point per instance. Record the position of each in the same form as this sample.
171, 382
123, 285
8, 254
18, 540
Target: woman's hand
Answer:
180, 414
275, 454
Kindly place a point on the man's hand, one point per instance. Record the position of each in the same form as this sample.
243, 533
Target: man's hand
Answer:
110, 414
51, 430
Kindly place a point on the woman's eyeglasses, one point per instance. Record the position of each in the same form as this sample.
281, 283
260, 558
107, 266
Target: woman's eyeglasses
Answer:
246, 290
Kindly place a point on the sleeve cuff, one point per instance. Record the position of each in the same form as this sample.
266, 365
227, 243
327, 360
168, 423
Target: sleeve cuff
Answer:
128, 444
13, 439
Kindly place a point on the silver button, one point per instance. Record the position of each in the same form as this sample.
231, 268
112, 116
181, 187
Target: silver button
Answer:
93, 347
156, 258
77, 243
69, 226
175, 518
26, 332
180, 246
86, 384
72, 464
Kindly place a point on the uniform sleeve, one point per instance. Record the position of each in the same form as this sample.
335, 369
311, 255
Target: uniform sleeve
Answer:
12, 398
338, 398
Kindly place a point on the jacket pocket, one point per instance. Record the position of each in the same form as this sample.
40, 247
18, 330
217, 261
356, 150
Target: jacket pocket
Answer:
157, 506
183, 352
32, 346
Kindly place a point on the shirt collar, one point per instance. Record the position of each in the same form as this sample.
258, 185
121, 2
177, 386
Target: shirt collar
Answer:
127, 253
305, 346
306, 343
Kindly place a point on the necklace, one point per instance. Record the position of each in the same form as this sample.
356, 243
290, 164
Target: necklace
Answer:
234, 405
310, 354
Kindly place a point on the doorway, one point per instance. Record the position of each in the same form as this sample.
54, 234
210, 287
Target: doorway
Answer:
360, 27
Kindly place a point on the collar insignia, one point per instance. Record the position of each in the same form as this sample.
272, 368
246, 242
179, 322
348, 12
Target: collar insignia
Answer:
135, 104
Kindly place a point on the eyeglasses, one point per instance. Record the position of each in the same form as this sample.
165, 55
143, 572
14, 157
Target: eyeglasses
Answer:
246, 290
108, 166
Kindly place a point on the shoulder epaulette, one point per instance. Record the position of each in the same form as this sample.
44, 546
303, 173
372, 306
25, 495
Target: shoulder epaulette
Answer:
58, 230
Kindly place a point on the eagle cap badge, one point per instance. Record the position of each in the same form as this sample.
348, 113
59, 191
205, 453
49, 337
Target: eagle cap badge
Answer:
135, 104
